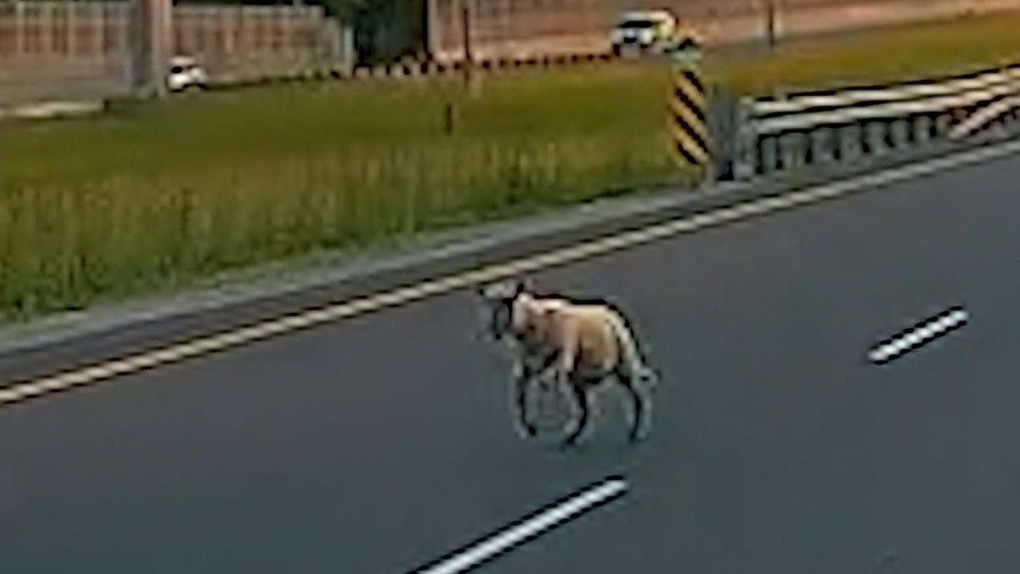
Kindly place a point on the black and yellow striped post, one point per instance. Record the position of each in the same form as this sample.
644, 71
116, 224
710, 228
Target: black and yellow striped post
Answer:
687, 120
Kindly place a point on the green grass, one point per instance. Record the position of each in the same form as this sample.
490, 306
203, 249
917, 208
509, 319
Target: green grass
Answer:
162, 194
892, 53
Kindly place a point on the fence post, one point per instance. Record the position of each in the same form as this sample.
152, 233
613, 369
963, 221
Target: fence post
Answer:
745, 160
46, 33
19, 28
72, 30
465, 28
688, 118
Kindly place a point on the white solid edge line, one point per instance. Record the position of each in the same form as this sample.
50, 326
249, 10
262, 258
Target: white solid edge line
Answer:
400, 295
544, 521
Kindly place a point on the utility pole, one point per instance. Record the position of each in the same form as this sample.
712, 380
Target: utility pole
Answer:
770, 17
466, 29
151, 33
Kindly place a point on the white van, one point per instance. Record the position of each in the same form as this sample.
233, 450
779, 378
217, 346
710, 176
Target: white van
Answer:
185, 73
643, 31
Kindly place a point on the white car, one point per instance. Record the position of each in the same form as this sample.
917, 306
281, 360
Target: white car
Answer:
185, 73
643, 31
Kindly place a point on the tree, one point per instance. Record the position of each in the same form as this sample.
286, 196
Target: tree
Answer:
383, 29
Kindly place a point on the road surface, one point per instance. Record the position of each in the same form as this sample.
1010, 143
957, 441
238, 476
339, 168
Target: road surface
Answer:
379, 443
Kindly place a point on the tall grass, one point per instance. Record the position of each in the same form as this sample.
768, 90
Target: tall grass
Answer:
157, 196
131, 232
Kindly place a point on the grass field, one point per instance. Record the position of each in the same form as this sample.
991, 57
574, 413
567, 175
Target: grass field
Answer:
160, 195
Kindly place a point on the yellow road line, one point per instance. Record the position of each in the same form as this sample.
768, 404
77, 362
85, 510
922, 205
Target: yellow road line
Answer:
359, 306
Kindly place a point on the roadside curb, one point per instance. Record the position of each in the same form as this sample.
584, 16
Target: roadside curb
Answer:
63, 342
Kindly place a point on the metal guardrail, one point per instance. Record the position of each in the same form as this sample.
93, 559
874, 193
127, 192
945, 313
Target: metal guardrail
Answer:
1000, 112
780, 134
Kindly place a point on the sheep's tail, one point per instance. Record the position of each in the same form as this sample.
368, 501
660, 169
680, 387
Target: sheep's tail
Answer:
631, 356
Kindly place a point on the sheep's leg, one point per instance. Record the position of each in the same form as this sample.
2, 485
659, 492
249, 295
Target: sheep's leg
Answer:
581, 397
642, 406
525, 374
522, 379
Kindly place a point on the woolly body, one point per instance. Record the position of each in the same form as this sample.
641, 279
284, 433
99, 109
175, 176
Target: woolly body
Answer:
583, 343
591, 339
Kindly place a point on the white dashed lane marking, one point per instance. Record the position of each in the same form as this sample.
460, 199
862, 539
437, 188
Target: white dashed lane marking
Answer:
18, 391
919, 335
539, 523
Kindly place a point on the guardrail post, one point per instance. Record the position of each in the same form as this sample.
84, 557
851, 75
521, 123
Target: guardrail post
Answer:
792, 150
850, 147
922, 129
875, 137
687, 123
900, 134
724, 129
943, 123
821, 146
769, 154
745, 163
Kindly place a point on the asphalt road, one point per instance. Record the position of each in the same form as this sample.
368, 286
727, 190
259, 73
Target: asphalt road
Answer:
379, 443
